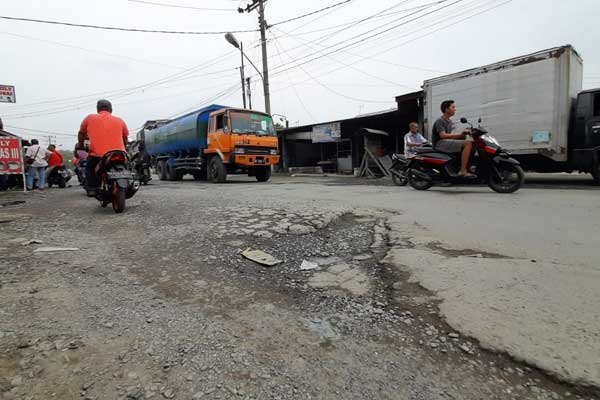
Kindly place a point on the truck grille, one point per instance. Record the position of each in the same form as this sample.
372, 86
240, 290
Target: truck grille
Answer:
256, 150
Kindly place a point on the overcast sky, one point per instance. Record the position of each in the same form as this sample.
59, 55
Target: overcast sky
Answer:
65, 70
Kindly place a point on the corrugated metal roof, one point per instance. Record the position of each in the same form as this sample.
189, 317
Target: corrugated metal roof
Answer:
303, 128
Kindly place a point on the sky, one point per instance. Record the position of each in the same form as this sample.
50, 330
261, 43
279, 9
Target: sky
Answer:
351, 59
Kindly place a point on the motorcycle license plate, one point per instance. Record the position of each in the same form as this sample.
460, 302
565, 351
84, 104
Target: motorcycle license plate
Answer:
119, 175
259, 160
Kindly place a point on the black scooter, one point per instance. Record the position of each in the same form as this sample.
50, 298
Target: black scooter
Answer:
116, 180
490, 164
398, 169
58, 176
400, 166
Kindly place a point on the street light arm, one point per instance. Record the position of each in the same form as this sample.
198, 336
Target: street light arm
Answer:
251, 63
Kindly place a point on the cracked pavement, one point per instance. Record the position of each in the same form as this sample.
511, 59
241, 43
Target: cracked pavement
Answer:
159, 303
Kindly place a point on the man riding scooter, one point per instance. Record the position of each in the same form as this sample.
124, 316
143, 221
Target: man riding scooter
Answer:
445, 141
105, 133
56, 173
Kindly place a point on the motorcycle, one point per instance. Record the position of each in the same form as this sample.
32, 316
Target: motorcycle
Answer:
142, 169
58, 176
116, 180
140, 161
490, 164
400, 167
80, 172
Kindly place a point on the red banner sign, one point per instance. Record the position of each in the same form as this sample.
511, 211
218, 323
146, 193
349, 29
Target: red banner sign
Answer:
11, 156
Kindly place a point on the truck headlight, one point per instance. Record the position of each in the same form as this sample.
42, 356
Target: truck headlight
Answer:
273, 152
239, 150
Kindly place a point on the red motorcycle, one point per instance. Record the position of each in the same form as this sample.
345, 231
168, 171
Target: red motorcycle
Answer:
490, 164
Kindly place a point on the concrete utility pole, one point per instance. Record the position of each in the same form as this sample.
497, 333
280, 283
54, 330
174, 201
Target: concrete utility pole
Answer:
249, 93
242, 73
263, 37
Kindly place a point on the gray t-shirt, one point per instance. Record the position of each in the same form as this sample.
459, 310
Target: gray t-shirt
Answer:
441, 125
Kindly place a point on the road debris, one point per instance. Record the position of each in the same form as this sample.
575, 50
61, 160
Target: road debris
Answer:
308, 265
260, 257
32, 241
54, 249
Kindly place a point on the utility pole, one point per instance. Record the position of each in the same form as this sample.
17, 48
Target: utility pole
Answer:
249, 93
263, 38
242, 74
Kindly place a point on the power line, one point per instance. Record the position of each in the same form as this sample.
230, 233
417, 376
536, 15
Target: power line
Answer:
122, 92
356, 23
310, 13
314, 42
180, 6
294, 87
140, 60
41, 131
359, 70
414, 39
114, 28
359, 20
332, 90
344, 42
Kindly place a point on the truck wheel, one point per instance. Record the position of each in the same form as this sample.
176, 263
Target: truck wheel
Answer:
216, 170
172, 173
161, 170
596, 172
262, 174
199, 175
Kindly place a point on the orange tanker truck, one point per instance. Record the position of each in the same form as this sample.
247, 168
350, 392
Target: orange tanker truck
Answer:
213, 142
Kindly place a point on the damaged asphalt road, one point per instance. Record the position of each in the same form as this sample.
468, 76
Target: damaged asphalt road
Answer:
160, 303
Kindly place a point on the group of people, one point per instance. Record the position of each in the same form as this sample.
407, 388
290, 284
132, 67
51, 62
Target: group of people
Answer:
98, 134
443, 138
40, 162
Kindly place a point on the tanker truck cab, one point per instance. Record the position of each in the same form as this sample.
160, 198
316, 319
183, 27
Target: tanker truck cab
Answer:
240, 142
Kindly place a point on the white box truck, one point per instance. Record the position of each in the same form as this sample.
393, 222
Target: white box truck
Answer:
532, 104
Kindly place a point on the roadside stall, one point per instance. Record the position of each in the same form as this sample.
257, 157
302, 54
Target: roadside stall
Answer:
11, 158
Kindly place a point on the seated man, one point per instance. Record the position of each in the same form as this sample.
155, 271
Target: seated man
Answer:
412, 140
54, 160
446, 141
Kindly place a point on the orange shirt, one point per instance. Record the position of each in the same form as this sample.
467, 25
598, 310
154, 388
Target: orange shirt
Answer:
105, 132
55, 159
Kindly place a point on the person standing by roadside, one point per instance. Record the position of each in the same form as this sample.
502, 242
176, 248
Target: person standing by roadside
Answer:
35, 158
412, 140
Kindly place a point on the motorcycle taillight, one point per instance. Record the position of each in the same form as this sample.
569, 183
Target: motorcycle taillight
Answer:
117, 157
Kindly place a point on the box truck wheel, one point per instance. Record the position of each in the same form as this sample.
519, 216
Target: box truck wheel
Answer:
161, 170
216, 170
596, 170
262, 174
172, 173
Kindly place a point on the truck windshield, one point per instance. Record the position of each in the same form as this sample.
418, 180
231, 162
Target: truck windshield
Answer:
248, 122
